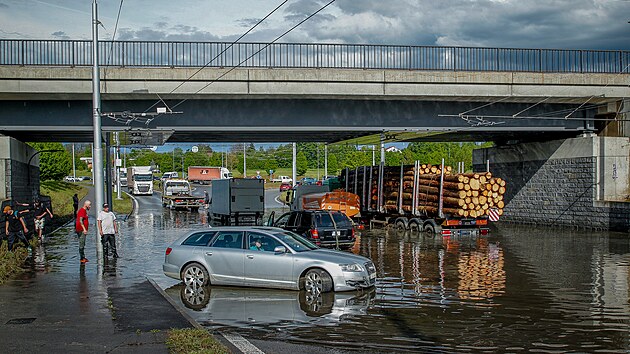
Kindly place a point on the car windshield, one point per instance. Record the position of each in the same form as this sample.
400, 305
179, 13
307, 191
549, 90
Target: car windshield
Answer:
143, 177
296, 242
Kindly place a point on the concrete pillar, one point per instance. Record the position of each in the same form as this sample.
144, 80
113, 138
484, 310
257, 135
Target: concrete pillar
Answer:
382, 148
581, 182
18, 181
294, 164
326, 159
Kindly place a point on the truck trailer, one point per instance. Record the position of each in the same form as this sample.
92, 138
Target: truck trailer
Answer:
205, 174
177, 194
417, 198
140, 180
237, 201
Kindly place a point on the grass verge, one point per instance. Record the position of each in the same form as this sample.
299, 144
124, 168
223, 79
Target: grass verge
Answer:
11, 263
61, 198
124, 205
192, 340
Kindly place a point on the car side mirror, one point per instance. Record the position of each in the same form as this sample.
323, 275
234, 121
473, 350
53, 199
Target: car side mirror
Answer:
280, 249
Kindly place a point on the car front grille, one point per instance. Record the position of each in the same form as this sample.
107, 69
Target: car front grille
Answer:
143, 189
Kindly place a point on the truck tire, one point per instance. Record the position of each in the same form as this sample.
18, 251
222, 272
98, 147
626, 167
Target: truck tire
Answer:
415, 226
431, 228
401, 224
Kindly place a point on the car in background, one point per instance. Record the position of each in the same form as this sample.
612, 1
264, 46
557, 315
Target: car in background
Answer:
72, 179
285, 187
86, 178
265, 257
323, 227
307, 180
169, 175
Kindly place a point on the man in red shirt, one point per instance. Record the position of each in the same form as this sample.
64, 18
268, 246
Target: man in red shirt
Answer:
81, 227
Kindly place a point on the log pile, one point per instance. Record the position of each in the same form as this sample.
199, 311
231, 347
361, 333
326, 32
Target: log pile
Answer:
465, 194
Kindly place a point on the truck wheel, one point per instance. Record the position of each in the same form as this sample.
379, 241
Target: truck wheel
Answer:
414, 226
431, 228
401, 224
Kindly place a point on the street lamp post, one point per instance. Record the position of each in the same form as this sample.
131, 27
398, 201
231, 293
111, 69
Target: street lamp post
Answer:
97, 162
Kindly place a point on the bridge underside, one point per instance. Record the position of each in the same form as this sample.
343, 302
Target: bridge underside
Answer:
285, 120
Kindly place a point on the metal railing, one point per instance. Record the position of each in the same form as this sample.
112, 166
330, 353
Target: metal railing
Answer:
309, 55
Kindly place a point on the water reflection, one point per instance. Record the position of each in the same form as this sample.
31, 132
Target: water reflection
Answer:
218, 307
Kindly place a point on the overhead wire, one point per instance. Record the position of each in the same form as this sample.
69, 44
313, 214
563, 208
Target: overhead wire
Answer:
221, 53
462, 114
111, 48
258, 51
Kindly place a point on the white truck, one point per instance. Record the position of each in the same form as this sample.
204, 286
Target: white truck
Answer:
140, 180
177, 194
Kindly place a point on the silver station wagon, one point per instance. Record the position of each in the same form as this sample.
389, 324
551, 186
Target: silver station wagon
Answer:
266, 257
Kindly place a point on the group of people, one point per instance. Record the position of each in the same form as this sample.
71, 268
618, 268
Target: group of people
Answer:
107, 228
15, 228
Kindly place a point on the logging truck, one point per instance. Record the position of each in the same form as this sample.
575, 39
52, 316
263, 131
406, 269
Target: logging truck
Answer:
427, 198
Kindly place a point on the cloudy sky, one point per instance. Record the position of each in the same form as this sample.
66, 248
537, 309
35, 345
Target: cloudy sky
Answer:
587, 24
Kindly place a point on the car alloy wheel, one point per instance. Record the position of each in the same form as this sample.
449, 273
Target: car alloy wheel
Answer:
195, 275
317, 281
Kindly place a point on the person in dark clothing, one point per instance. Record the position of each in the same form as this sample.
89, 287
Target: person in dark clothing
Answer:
15, 227
41, 212
75, 204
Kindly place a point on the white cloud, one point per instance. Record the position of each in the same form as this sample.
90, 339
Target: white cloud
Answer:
495, 23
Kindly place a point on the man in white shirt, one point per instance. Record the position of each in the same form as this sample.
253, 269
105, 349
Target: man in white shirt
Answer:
108, 229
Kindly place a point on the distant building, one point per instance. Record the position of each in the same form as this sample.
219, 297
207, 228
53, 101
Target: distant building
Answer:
392, 149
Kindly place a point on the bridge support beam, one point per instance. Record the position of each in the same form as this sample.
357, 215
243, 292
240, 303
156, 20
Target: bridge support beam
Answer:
14, 171
581, 182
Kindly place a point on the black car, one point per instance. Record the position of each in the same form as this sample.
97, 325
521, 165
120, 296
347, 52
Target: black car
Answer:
322, 227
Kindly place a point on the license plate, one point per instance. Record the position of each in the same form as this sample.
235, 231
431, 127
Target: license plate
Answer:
336, 233
373, 276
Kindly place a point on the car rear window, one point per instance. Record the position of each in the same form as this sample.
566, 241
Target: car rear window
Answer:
341, 220
324, 220
199, 239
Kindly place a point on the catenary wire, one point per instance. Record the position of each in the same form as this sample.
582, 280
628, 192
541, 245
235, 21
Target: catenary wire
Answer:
533, 89
221, 53
260, 50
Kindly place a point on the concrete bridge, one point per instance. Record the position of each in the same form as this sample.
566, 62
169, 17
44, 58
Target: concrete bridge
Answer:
310, 92
544, 108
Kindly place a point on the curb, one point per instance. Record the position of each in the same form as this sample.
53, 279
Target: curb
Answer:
172, 302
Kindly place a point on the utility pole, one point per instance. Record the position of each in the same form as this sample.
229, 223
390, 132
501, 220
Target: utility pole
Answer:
97, 162
294, 164
383, 148
318, 161
326, 159
244, 162
117, 159
74, 167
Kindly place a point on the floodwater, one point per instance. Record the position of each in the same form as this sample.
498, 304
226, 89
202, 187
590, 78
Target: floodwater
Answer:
517, 289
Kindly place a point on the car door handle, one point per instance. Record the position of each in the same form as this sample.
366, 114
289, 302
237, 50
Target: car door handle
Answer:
250, 256
208, 253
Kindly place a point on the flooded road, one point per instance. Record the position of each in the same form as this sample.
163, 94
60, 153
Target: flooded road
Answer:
517, 289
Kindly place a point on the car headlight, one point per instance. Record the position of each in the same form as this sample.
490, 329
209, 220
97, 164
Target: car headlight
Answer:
351, 267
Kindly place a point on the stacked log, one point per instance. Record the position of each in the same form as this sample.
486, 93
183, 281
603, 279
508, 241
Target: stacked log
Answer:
429, 169
464, 194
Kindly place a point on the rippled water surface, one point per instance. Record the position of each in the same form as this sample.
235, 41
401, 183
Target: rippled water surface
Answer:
516, 289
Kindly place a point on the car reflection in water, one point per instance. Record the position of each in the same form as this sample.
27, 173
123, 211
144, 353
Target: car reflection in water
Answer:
217, 307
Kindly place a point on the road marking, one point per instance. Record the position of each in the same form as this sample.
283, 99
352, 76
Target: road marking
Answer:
278, 201
241, 343
135, 201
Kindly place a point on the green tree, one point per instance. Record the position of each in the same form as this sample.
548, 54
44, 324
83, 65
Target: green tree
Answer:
333, 165
53, 165
301, 164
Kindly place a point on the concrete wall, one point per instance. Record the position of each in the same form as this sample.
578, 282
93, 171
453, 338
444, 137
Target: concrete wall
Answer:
16, 182
582, 182
67, 83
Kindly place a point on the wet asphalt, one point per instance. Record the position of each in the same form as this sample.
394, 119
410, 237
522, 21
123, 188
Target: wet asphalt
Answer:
517, 289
